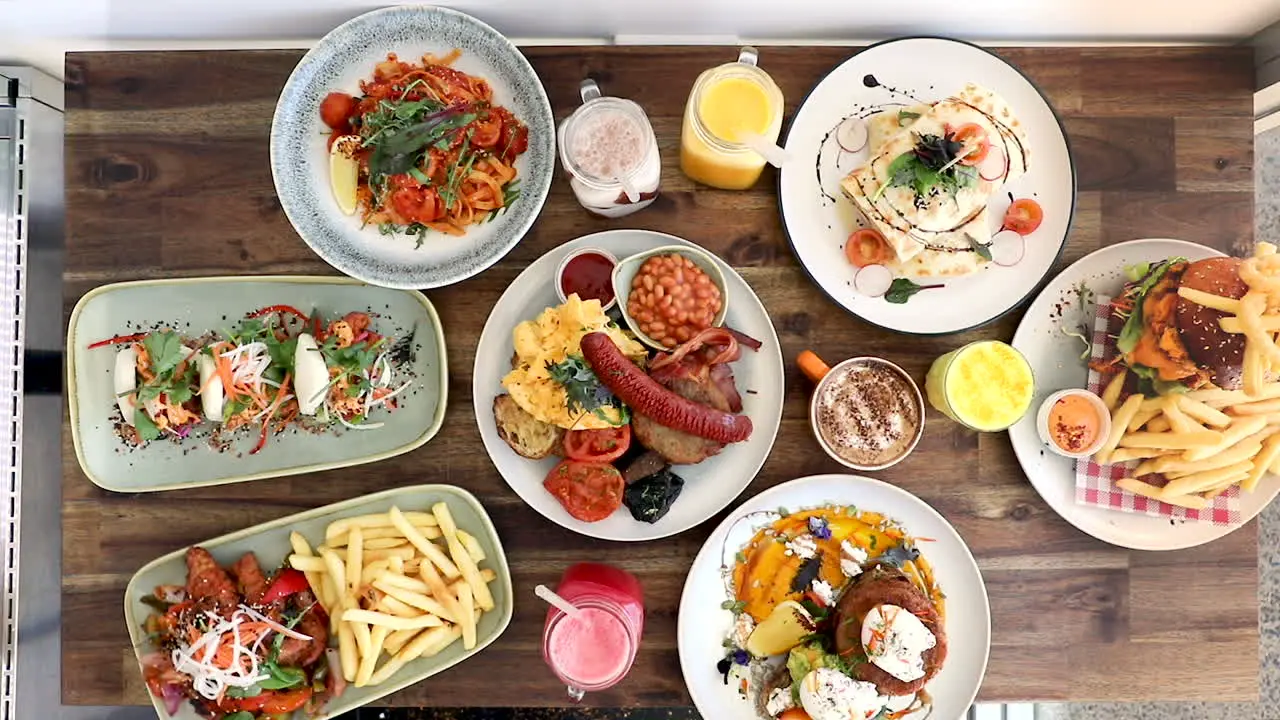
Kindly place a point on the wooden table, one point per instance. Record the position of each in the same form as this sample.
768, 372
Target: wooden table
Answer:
168, 175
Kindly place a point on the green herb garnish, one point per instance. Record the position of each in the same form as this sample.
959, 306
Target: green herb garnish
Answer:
906, 117
583, 390
902, 290
734, 606
984, 251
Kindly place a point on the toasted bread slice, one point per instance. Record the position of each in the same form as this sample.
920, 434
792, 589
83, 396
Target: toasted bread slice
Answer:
527, 435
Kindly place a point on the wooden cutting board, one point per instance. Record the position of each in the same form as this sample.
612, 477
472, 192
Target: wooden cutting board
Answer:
167, 175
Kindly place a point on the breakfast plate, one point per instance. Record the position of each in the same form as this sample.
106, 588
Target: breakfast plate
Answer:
159, 586
745, 632
873, 181
196, 313
699, 478
426, 217
1055, 357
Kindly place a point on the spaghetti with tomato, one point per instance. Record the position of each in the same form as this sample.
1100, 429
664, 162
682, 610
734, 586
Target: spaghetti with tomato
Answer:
432, 151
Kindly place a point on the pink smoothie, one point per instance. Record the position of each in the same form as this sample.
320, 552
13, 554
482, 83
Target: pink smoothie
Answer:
591, 649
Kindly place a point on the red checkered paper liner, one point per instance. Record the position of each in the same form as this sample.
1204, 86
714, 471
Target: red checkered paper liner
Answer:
1095, 484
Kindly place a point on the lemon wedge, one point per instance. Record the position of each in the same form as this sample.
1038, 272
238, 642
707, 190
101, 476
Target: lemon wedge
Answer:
786, 626
344, 172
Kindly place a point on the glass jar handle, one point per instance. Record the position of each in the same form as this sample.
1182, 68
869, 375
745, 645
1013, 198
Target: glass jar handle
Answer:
576, 694
748, 55
589, 90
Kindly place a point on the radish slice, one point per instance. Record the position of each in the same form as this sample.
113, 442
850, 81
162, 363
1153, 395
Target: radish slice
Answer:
873, 280
1007, 248
852, 134
995, 166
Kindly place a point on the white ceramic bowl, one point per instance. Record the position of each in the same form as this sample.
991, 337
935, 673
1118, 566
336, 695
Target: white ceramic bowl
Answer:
565, 263
625, 271
866, 360
1042, 422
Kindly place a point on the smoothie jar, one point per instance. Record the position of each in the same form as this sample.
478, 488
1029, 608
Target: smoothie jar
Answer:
611, 154
986, 385
726, 102
595, 649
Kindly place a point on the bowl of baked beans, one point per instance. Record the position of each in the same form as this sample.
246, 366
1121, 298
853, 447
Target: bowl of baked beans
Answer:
670, 294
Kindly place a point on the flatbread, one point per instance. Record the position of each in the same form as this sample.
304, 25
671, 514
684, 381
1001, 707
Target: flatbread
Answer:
940, 227
883, 126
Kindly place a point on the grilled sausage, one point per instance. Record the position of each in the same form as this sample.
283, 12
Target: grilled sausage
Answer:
650, 399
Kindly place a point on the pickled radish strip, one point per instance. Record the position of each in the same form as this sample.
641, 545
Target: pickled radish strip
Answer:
852, 134
873, 280
995, 166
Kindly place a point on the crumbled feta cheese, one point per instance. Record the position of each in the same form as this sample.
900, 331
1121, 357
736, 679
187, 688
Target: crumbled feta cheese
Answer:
742, 627
803, 546
851, 559
824, 591
779, 701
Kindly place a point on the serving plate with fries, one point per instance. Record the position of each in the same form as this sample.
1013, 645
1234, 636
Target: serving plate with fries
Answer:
414, 581
1204, 442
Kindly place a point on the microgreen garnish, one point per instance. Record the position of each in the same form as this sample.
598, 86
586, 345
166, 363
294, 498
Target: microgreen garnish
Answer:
583, 390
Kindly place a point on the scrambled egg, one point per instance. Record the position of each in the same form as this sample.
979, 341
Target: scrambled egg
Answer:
553, 336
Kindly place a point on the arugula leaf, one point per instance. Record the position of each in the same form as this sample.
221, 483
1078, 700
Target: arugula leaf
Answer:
1132, 330
583, 390
147, 429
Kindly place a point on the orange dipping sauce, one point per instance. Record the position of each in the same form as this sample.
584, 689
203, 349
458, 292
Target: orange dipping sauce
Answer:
1074, 423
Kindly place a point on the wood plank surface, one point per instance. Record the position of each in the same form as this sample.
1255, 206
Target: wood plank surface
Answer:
167, 175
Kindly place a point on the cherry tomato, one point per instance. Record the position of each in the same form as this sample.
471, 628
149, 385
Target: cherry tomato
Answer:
602, 446
486, 133
973, 136
794, 714
336, 110
867, 247
417, 203
588, 491
515, 139
1024, 216
286, 701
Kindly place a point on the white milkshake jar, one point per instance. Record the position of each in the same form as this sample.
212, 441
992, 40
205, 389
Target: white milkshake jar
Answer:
611, 154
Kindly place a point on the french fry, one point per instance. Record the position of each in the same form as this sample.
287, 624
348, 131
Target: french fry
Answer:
1172, 440
1111, 394
418, 600
404, 553
391, 622
1203, 413
375, 520
470, 573
466, 607
1251, 370
364, 639
1231, 324
1137, 487
384, 543
1201, 481
1209, 300
302, 548
377, 637
393, 606
1119, 421
397, 639
372, 570
471, 544
397, 564
307, 563
1218, 398
1251, 308
1158, 424
441, 591
348, 654
423, 545
1120, 455
1143, 417
1244, 450
1239, 429
1144, 468
391, 532
1219, 487
404, 581
1268, 455
1261, 407
355, 557
1178, 420
409, 652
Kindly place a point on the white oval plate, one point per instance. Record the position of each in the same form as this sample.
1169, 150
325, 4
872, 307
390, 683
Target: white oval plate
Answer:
817, 225
704, 624
300, 158
1054, 359
711, 484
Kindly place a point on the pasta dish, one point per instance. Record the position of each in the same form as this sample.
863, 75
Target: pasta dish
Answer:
423, 148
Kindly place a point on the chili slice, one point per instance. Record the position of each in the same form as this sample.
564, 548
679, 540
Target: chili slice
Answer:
118, 340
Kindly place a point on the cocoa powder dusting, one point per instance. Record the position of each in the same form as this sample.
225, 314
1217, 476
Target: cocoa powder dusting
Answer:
868, 414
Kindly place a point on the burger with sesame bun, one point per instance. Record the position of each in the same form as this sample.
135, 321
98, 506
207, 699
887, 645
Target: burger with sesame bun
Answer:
1171, 343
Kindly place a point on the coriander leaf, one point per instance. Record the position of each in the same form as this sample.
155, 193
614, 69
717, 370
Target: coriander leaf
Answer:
164, 349
147, 429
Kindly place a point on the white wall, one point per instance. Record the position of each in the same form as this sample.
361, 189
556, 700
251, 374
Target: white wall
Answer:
38, 31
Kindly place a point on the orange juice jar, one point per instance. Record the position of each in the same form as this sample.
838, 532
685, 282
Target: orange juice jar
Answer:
726, 102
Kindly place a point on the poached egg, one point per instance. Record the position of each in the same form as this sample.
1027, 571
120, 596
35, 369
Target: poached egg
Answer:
828, 694
896, 640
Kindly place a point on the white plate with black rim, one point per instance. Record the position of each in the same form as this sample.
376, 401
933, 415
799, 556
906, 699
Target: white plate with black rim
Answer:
704, 623
818, 219
1055, 360
300, 156
711, 484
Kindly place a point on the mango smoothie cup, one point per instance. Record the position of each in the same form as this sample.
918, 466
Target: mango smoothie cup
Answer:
986, 385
